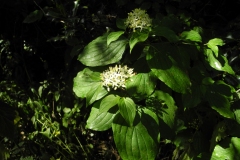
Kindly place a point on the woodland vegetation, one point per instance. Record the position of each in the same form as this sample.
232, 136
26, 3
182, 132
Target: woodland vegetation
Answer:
120, 79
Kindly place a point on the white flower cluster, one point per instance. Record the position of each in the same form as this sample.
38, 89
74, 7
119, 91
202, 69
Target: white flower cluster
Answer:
115, 77
138, 19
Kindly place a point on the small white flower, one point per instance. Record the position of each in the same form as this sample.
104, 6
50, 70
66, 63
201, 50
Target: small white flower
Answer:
138, 19
115, 77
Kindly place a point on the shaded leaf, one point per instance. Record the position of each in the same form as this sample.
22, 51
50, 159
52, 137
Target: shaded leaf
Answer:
193, 98
164, 105
121, 23
162, 63
137, 37
166, 32
219, 103
141, 85
33, 16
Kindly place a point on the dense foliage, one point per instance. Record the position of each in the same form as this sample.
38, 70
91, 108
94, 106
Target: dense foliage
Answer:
119, 80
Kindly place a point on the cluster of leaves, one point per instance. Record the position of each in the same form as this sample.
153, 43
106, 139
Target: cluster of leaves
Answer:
179, 93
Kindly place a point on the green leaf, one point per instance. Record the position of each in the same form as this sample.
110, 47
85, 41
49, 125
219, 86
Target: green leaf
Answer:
137, 37
97, 91
100, 121
229, 149
113, 36
127, 109
162, 63
33, 16
219, 63
141, 85
98, 53
192, 36
46, 133
214, 43
139, 141
108, 102
219, 103
166, 32
84, 80
164, 106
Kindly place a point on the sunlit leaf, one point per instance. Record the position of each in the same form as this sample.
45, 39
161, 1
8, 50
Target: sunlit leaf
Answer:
191, 36
100, 121
127, 108
214, 43
46, 133
229, 149
108, 102
96, 92
139, 141
84, 80
113, 36
219, 63
98, 53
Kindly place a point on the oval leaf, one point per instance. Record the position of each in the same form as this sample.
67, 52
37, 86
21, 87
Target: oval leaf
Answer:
219, 103
113, 36
141, 85
100, 121
166, 32
165, 105
33, 16
166, 68
96, 92
97, 53
83, 82
139, 141
137, 37
127, 109
108, 102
